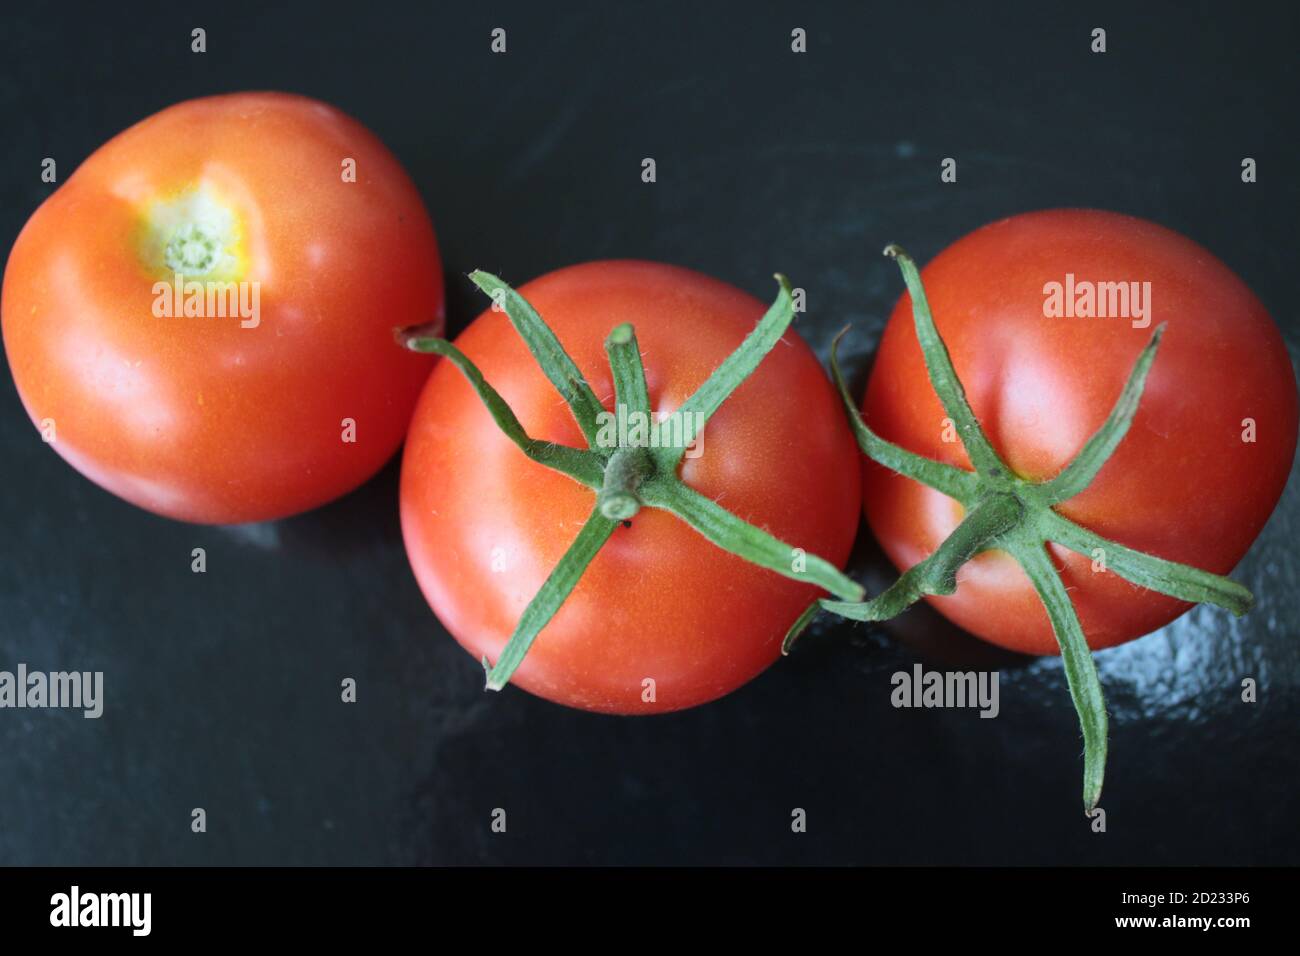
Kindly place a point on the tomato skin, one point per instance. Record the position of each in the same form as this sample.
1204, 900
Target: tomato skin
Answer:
202, 419
484, 525
1182, 485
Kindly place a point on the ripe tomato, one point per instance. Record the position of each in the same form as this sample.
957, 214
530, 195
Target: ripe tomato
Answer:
243, 417
1183, 485
484, 525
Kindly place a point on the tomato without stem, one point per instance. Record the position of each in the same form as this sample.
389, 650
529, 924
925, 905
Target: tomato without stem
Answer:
297, 394
484, 525
1193, 481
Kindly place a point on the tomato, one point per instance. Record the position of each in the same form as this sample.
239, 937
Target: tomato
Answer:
1187, 483
484, 525
294, 396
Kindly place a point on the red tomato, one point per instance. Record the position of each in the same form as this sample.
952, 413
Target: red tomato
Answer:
1183, 485
484, 525
243, 417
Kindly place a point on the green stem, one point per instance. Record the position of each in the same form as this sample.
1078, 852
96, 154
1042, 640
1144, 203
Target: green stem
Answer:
629, 373
937, 574
553, 593
727, 377
1078, 474
579, 464
799, 626
953, 482
753, 544
1080, 671
1181, 581
548, 352
627, 468
942, 374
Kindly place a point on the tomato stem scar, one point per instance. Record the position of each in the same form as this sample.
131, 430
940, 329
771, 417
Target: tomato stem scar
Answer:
194, 234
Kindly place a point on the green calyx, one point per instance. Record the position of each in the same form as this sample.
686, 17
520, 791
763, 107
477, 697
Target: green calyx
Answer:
624, 472
628, 469
1008, 513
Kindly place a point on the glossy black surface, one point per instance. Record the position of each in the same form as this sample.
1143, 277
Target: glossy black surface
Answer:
222, 688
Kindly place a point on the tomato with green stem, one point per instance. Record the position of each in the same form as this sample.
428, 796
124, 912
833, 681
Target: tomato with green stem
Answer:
594, 565
1197, 474
200, 319
1031, 492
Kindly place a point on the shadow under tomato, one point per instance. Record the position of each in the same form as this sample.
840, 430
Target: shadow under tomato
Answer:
358, 522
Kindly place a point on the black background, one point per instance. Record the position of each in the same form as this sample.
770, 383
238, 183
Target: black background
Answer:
223, 689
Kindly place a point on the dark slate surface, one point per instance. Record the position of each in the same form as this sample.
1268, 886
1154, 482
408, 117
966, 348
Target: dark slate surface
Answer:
223, 688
